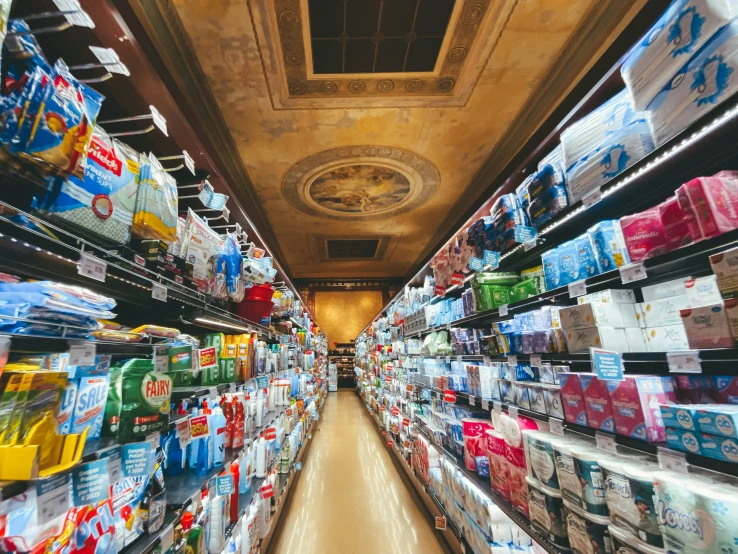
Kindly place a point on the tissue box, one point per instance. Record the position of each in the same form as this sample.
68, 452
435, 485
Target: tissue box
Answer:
612, 296
726, 389
712, 201
702, 291
698, 87
535, 396
684, 441
635, 405
609, 245
719, 448
599, 314
725, 267
666, 311
666, 338
636, 340
520, 395
572, 399
680, 416
609, 338
719, 420
680, 227
552, 397
644, 235
597, 402
707, 327
668, 289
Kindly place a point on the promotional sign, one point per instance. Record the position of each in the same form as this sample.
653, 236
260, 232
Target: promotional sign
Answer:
199, 426
405, 422
91, 483
457, 279
492, 258
136, 459
608, 365
224, 485
525, 235
449, 396
267, 491
270, 433
208, 357
440, 291
395, 410
476, 264
441, 523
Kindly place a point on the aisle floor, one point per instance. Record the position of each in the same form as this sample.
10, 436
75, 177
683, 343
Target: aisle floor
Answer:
350, 498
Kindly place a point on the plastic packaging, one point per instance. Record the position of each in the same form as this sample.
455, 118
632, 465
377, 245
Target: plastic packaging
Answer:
201, 246
155, 216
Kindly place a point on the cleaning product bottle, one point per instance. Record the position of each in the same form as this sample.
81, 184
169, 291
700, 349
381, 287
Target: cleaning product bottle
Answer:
239, 423
235, 475
244, 484
195, 444
217, 524
260, 408
226, 405
265, 511
179, 546
261, 358
261, 453
218, 436
175, 457
202, 517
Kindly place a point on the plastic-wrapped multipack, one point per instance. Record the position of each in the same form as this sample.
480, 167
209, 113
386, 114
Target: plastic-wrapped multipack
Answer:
612, 157
585, 135
156, 203
104, 200
708, 79
677, 36
201, 245
712, 201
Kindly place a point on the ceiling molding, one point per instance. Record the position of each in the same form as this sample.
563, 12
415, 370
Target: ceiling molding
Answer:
385, 248
593, 33
165, 30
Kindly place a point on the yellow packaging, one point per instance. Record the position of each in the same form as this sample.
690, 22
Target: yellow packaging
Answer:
155, 216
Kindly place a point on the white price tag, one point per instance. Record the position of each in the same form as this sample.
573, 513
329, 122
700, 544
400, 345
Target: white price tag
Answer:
438, 396
591, 198
497, 406
92, 267
82, 353
485, 404
188, 161
109, 58
184, 432
159, 120
161, 360
513, 411
577, 288
167, 538
529, 246
556, 426
226, 214
459, 358
512, 361
115, 469
536, 360
472, 400
485, 360
672, 460
54, 497
159, 292
632, 272
74, 13
606, 441
448, 359
686, 361
503, 310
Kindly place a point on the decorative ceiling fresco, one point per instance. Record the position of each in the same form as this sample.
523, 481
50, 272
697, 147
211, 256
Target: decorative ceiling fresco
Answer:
379, 119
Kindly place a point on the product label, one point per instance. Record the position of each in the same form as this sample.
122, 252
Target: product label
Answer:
440, 291
208, 357
156, 390
395, 410
441, 523
476, 264
270, 433
492, 259
267, 491
457, 279
449, 396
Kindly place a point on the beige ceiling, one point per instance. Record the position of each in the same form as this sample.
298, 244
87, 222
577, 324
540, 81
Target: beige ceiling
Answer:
440, 135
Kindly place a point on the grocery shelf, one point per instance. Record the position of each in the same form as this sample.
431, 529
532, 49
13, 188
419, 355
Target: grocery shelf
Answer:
39, 343
147, 543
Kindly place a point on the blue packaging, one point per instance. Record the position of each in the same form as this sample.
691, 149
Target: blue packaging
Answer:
588, 266
719, 448
510, 219
718, 420
505, 241
482, 463
551, 269
550, 203
504, 204
506, 392
524, 372
568, 263
525, 321
544, 180
100, 367
608, 244
685, 441
89, 408
522, 192
680, 416
66, 409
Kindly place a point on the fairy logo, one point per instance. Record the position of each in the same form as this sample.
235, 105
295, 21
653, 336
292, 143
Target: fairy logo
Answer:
105, 156
156, 389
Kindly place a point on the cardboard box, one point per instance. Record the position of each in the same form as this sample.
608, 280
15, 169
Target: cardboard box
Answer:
572, 399
719, 448
718, 420
612, 296
731, 312
666, 338
635, 405
726, 389
702, 291
597, 402
668, 289
636, 339
707, 327
601, 314
725, 267
609, 338
685, 441
680, 416
664, 311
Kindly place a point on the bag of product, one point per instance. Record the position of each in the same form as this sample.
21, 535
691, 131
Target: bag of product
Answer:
201, 246
155, 216
234, 268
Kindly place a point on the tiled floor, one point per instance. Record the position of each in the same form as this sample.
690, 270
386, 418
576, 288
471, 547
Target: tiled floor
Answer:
350, 499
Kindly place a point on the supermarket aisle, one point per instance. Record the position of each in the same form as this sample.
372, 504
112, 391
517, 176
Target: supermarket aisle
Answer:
351, 498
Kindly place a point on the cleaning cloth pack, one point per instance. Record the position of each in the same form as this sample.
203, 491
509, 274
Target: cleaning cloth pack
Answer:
156, 202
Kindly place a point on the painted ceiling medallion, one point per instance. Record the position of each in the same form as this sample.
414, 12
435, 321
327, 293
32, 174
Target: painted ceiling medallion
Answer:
357, 86
385, 86
360, 182
329, 87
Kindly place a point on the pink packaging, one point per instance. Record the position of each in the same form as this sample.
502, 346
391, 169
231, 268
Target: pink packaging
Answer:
635, 405
695, 389
644, 235
726, 389
713, 201
498, 466
474, 440
515, 457
597, 402
680, 227
573, 399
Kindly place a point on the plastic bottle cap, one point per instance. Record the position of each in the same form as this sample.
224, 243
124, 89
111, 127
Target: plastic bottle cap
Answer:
187, 519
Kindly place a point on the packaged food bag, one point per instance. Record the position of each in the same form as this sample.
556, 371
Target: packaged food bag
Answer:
234, 268
156, 203
201, 246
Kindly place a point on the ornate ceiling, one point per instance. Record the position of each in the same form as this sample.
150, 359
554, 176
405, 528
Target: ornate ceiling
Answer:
390, 152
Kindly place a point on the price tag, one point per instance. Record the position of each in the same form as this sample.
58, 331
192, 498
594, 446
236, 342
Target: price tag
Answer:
492, 259
476, 264
161, 360
556, 426
206, 192
485, 404
441, 523
159, 120
167, 538
115, 464
54, 496
448, 359
503, 310
92, 267
632, 272
390, 444
457, 279
109, 58
298, 466
459, 358
74, 14
536, 360
440, 291
513, 411
267, 491
577, 288
226, 214
159, 292
270, 433
199, 426
485, 360
449, 396
188, 161
672, 460
591, 198
512, 361
184, 433
82, 353
472, 400
405, 422
395, 411
525, 234
497, 406
606, 441
384, 433
687, 361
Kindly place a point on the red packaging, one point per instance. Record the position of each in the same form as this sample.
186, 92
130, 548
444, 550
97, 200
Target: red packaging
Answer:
644, 235
713, 201
95, 530
498, 467
474, 440
597, 402
515, 457
680, 227
635, 405
572, 398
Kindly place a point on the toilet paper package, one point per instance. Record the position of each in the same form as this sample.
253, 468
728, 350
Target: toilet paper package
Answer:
712, 201
587, 533
696, 516
548, 515
707, 327
585, 135
597, 402
586, 462
572, 399
544, 180
644, 235
680, 227
677, 36
699, 86
550, 203
629, 492
523, 193
554, 158
625, 543
635, 405
539, 457
609, 245
619, 151
498, 467
474, 440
